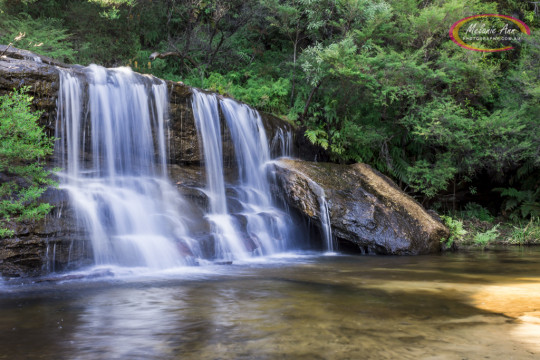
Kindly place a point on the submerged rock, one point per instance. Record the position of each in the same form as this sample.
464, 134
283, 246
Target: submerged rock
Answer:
367, 210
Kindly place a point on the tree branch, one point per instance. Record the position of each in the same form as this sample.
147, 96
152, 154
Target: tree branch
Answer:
157, 55
306, 107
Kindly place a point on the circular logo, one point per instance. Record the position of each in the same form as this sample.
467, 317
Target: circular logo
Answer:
475, 32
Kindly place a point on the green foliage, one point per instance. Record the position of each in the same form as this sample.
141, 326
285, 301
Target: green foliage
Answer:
44, 36
473, 210
521, 203
457, 232
105, 33
23, 146
484, 238
266, 94
430, 179
526, 234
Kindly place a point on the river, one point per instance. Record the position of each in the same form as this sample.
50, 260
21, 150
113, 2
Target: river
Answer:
471, 305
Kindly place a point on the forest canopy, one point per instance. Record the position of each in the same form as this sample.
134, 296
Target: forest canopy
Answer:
375, 81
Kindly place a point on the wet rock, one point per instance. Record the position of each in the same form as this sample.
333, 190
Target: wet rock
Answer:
54, 243
184, 142
367, 210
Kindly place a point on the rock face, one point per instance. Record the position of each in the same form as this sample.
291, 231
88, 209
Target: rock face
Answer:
55, 243
367, 210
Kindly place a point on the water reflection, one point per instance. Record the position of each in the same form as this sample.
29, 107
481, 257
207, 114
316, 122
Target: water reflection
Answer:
326, 308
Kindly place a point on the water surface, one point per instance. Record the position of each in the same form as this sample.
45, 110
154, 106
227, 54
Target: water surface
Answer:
481, 305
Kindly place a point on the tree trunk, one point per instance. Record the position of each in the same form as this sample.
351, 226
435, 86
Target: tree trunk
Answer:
308, 101
295, 46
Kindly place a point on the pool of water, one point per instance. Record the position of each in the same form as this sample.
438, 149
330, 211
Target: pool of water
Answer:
476, 305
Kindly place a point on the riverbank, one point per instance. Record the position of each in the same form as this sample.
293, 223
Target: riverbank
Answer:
473, 232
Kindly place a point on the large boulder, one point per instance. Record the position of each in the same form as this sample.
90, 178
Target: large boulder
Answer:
367, 210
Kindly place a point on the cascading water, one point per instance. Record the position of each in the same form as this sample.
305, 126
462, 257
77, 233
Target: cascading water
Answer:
281, 145
110, 134
266, 226
325, 223
228, 244
258, 227
112, 127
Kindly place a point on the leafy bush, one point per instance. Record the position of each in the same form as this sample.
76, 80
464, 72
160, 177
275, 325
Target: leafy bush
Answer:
23, 146
521, 203
483, 238
473, 210
264, 93
457, 232
44, 36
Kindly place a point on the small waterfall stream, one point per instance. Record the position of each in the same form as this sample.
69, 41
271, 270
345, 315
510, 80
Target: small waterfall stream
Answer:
324, 215
228, 244
258, 227
281, 144
325, 223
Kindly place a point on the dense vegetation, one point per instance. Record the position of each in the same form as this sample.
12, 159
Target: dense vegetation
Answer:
23, 147
377, 81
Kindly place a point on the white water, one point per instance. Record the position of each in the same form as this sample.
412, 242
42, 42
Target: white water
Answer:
121, 196
258, 227
325, 223
324, 215
282, 143
228, 243
112, 127
266, 226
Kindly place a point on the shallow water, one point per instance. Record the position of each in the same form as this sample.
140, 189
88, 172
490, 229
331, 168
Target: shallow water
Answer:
481, 305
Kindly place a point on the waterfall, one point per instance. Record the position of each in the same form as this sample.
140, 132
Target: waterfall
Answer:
324, 215
228, 244
113, 155
282, 143
112, 149
325, 223
267, 227
257, 226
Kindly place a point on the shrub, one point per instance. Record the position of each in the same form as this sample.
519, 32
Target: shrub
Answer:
457, 232
44, 36
528, 234
474, 210
23, 146
483, 238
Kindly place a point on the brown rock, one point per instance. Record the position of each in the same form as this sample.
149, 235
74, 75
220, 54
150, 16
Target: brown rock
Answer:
366, 208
